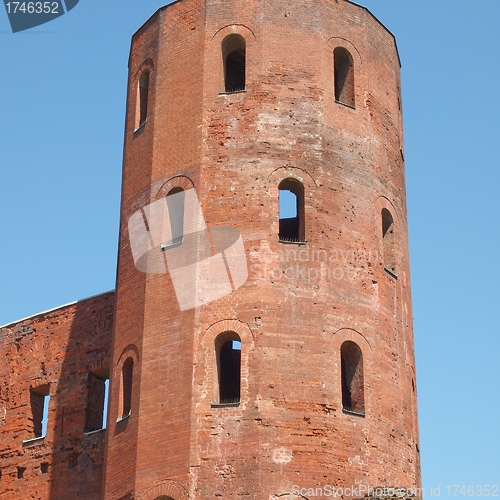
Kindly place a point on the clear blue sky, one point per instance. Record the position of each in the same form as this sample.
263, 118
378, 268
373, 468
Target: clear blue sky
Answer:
62, 106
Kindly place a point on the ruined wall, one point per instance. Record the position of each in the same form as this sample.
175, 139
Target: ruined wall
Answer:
59, 353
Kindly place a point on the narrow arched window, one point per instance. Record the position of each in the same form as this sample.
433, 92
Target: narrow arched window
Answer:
175, 204
127, 376
389, 241
234, 57
291, 211
228, 353
344, 76
351, 359
142, 98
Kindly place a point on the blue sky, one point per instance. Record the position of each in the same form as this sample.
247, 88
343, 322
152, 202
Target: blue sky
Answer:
62, 104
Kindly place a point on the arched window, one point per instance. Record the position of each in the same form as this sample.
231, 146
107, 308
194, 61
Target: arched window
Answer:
291, 211
389, 241
127, 375
234, 56
175, 206
351, 359
228, 354
142, 98
344, 76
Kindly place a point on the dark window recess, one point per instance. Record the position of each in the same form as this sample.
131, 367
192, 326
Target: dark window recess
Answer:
234, 57
127, 373
44, 467
352, 378
96, 397
20, 472
389, 241
344, 76
143, 97
291, 211
229, 367
39, 401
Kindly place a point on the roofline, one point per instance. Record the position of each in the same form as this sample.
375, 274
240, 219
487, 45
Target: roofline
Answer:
55, 309
348, 1
379, 22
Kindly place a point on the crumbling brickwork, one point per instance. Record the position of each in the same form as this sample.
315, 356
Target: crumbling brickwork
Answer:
53, 354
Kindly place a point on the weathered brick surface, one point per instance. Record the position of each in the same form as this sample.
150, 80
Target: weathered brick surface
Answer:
58, 350
300, 303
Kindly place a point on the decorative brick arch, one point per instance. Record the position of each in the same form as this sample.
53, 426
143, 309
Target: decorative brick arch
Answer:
178, 181
343, 334
334, 42
147, 64
207, 373
130, 351
297, 173
215, 54
167, 488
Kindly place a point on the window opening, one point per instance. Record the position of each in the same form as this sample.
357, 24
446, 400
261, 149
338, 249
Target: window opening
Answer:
39, 399
228, 350
234, 57
388, 237
97, 397
344, 76
175, 206
291, 211
127, 372
352, 378
143, 97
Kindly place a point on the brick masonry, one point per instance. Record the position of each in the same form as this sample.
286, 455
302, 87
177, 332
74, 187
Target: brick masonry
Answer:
300, 303
59, 350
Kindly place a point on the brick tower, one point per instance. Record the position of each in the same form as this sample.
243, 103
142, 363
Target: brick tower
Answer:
263, 343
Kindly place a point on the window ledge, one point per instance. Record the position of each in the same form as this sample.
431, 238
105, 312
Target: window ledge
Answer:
90, 433
123, 417
292, 242
391, 273
224, 405
140, 128
229, 92
352, 106
352, 412
33, 441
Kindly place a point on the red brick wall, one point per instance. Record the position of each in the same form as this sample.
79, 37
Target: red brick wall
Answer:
296, 309
57, 350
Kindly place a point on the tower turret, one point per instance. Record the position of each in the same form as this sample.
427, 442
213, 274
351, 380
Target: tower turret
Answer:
263, 343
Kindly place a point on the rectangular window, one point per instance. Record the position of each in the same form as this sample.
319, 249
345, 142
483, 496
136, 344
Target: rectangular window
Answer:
39, 399
97, 399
